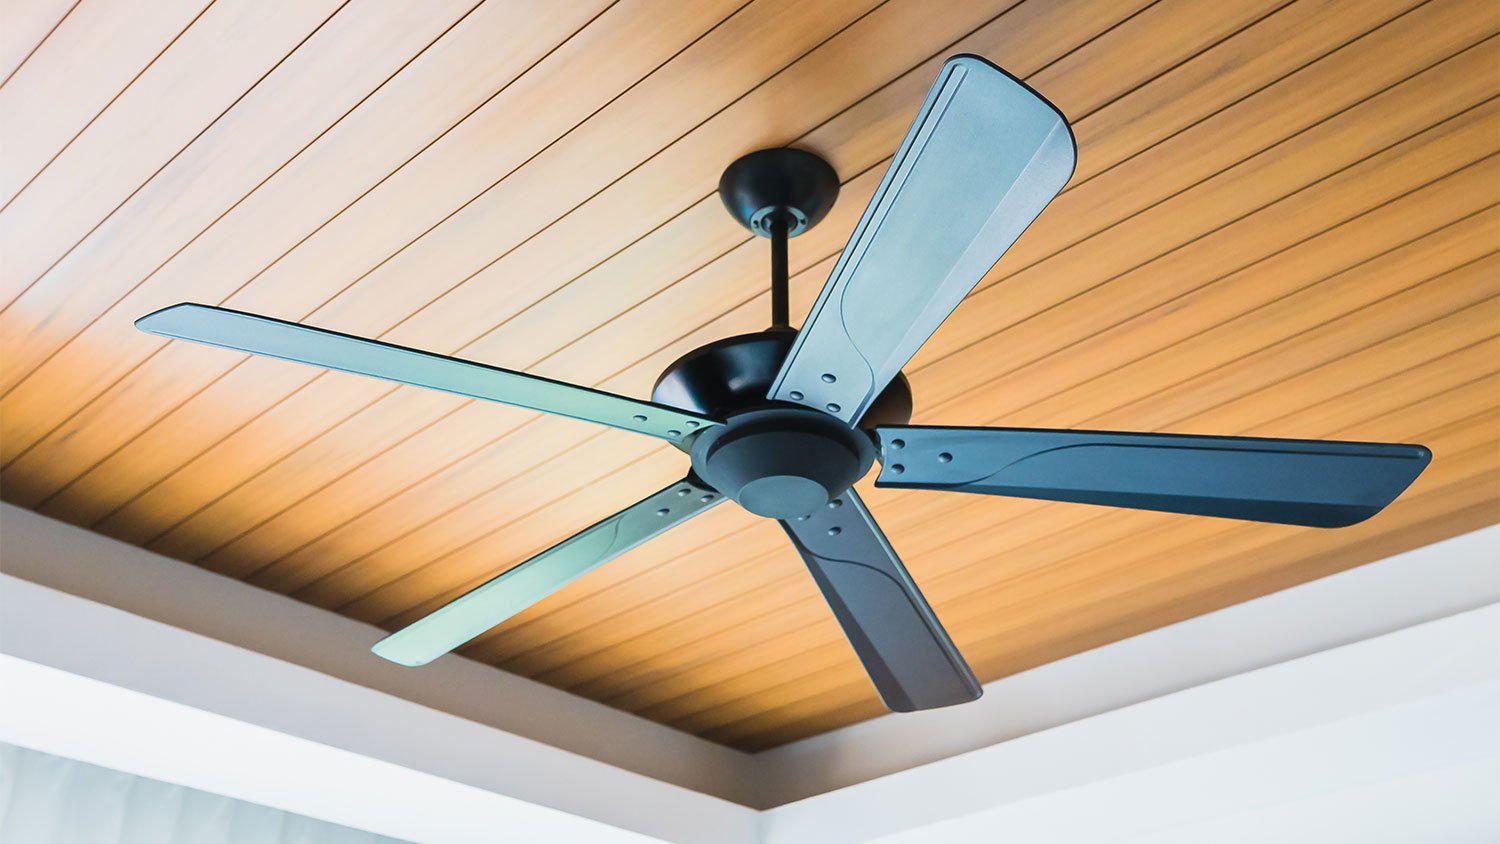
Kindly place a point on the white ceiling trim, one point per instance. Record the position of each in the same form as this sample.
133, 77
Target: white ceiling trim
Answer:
298, 674
78, 562
77, 717
1425, 584
1410, 703
95, 683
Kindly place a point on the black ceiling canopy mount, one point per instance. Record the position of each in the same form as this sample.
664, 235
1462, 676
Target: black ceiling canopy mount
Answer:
784, 421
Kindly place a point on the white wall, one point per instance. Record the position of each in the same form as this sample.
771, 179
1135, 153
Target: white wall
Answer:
46, 798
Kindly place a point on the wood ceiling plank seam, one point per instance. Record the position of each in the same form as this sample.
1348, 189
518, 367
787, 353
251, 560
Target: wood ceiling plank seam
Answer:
501, 631
474, 495
739, 523
1236, 71
980, 499
1208, 395
1035, 397
138, 365
741, 97
497, 92
1182, 263
1003, 272
1167, 304
1022, 247
1288, 341
938, 399
1063, 643
123, 327
1237, 31
807, 612
695, 30
1246, 97
113, 386
1215, 381
1480, 347
55, 127
12, 300
716, 684
1469, 470
459, 589
1248, 160
1366, 159
1050, 582
528, 420
12, 484
14, 51
454, 462
661, 466
903, 546
318, 589
257, 575
332, 432
805, 648
518, 167
195, 393
1454, 354
480, 577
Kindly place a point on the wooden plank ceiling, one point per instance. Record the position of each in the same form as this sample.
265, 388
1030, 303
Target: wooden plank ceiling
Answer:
1283, 223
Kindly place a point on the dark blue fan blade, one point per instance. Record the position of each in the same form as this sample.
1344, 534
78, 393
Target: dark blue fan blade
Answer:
1294, 482
906, 652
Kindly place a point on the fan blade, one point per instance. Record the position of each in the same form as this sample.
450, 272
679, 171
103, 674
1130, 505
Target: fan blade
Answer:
1293, 482
906, 652
517, 588
303, 344
983, 157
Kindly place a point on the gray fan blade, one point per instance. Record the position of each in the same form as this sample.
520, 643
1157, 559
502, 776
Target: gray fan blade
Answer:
983, 158
303, 344
518, 588
1293, 482
906, 652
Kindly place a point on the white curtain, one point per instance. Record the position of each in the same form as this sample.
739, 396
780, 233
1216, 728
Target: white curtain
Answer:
46, 799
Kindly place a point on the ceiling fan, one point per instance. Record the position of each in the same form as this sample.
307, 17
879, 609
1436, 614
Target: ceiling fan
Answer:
784, 421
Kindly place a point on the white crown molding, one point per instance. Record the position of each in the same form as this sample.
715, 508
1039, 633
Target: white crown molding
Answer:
88, 565
77, 608
1425, 584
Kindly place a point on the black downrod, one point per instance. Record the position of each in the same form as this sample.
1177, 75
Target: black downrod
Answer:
780, 309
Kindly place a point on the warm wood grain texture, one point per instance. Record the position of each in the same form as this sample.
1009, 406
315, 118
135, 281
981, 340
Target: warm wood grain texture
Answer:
1285, 222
